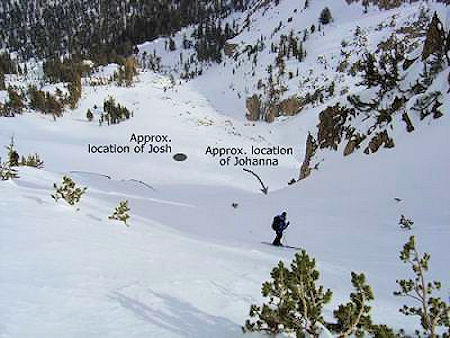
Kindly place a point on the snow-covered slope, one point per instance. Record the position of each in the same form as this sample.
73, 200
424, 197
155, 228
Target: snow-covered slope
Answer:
190, 263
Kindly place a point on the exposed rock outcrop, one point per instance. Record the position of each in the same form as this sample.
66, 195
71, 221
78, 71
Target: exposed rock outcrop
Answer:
331, 126
377, 141
229, 49
353, 143
253, 105
435, 42
311, 147
407, 120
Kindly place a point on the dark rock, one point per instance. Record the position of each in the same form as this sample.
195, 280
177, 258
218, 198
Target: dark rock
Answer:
407, 120
180, 157
291, 106
353, 143
253, 105
229, 49
377, 141
311, 147
435, 41
331, 126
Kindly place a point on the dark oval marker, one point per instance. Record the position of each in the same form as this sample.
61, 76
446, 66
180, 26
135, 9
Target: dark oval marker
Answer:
180, 157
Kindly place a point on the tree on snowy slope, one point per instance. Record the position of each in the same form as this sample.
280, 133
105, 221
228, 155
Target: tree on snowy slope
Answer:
13, 155
7, 172
2, 81
295, 301
126, 73
15, 104
121, 213
75, 89
99, 30
432, 311
296, 304
68, 191
434, 50
325, 16
44, 102
354, 318
115, 113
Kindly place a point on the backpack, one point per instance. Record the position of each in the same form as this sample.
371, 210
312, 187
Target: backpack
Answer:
276, 223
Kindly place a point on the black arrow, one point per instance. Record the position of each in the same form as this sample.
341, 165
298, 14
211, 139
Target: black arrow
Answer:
264, 188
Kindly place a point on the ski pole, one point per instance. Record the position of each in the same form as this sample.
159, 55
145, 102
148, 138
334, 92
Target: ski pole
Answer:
284, 239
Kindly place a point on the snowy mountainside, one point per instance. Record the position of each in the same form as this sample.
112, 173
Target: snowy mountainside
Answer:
190, 264
303, 66
238, 70
191, 259
186, 116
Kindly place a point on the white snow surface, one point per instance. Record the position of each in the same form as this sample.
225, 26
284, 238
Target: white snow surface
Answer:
189, 264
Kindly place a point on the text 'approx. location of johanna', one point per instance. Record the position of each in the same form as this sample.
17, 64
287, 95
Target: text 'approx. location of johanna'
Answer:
253, 157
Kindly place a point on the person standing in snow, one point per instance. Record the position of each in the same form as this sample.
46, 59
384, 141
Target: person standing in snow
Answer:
279, 225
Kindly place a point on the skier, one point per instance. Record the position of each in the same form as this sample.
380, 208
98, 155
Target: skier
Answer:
279, 225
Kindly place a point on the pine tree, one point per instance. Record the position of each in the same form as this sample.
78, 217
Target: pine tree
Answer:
74, 88
353, 318
370, 73
127, 72
295, 301
325, 16
68, 191
432, 311
15, 102
172, 45
121, 213
89, 115
13, 155
2, 81
7, 172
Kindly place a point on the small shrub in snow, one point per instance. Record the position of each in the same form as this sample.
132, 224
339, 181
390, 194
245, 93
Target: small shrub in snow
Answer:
405, 223
7, 172
68, 191
32, 161
121, 213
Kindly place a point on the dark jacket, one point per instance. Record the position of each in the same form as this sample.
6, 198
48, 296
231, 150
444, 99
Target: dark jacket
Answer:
281, 225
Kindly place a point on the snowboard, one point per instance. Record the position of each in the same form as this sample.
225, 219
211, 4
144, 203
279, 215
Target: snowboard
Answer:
282, 246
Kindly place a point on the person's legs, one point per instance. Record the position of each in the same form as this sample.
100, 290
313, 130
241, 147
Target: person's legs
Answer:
277, 240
